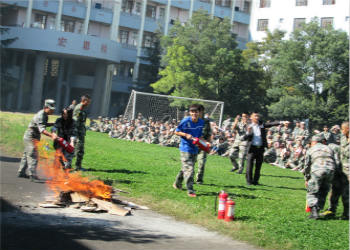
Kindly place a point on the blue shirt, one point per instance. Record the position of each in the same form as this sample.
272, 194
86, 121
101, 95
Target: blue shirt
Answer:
189, 127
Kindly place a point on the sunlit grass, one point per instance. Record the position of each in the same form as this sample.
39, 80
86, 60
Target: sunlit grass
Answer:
270, 215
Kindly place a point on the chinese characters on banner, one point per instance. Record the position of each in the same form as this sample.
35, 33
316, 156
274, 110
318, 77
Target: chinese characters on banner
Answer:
62, 41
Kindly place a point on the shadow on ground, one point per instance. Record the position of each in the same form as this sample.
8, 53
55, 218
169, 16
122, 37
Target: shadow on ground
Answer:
21, 230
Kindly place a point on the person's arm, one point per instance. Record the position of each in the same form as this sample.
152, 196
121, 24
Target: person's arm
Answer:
42, 128
183, 134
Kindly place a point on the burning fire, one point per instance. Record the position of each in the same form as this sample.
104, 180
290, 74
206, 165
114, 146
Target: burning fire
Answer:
62, 180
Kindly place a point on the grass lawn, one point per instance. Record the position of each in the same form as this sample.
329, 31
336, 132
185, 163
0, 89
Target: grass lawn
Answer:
270, 215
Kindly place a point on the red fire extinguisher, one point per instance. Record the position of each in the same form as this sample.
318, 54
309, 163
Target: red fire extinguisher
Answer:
64, 144
230, 210
201, 144
222, 204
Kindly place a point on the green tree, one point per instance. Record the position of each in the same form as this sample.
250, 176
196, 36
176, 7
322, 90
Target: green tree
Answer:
202, 61
308, 73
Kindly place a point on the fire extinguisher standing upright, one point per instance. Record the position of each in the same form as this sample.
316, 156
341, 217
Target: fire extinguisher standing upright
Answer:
230, 210
222, 204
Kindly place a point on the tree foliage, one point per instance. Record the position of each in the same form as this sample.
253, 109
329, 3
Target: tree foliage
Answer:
202, 61
307, 73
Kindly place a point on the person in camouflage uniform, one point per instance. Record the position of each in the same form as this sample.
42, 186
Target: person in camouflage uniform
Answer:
327, 135
188, 128
79, 116
340, 184
320, 164
239, 150
270, 153
36, 127
202, 155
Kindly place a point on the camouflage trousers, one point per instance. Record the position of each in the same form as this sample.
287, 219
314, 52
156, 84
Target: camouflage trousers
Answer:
187, 170
238, 152
318, 187
201, 160
29, 159
79, 151
340, 187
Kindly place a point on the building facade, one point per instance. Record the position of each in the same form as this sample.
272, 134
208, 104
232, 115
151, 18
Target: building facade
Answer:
288, 15
64, 49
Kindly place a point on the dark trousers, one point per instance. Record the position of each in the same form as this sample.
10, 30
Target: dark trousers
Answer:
254, 154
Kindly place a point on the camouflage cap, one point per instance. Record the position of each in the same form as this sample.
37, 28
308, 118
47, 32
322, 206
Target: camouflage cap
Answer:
49, 103
317, 138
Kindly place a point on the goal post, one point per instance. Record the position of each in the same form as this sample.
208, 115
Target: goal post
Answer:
166, 107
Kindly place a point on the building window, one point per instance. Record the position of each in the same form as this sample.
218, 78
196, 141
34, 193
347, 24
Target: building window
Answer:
326, 21
134, 37
151, 11
124, 36
262, 24
127, 6
67, 26
227, 3
246, 7
328, 2
147, 42
281, 20
218, 2
301, 3
39, 21
298, 23
205, 1
138, 8
161, 13
265, 3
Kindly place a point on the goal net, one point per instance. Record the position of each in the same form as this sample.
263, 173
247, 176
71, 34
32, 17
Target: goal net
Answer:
165, 107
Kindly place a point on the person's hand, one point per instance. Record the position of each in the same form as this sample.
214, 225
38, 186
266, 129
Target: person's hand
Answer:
54, 136
237, 118
306, 184
188, 136
249, 129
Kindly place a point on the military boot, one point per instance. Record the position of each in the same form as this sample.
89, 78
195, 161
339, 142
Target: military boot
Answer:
314, 213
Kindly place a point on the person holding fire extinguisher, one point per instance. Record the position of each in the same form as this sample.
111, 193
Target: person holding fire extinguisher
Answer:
64, 127
189, 128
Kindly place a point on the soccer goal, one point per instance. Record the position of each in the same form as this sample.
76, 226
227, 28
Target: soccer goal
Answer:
166, 107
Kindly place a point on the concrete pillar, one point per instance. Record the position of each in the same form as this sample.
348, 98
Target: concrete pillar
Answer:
114, 28
21, 80
191, 9
107, 91
87, 17
100, 78
59, 85
67, 89
166, 19
212, 11
29, 14
135, 75
233, 5
38, 82
59, 15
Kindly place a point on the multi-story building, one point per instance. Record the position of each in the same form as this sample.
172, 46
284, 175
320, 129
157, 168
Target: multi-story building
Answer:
67, 48
288, 15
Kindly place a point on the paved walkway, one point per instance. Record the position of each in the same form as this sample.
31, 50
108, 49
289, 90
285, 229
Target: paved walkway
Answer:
25, 226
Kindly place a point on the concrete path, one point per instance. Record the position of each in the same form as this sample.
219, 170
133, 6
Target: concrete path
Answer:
25, 226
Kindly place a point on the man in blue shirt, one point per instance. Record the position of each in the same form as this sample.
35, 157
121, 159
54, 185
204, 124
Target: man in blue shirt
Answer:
189, 128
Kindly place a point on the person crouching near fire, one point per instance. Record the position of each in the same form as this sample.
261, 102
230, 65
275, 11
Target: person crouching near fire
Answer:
189, 128
64, 127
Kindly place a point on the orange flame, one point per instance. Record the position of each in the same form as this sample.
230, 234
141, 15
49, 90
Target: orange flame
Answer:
62, 180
